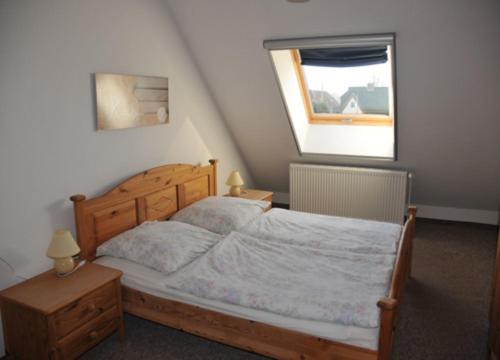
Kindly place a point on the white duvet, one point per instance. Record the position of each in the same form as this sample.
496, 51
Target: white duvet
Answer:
321, 231
303, 282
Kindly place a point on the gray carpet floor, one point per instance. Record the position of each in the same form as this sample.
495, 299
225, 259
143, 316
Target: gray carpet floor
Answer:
444, 314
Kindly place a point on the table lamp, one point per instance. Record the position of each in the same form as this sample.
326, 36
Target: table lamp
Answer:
62, 248
235, 181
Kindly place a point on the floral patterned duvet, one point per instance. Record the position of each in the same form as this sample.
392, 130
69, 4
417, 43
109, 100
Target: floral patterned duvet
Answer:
322, 231
296, 280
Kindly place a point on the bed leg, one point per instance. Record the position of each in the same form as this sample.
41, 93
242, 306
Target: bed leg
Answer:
388, 309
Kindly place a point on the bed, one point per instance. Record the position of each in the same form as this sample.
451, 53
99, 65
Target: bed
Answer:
158, 194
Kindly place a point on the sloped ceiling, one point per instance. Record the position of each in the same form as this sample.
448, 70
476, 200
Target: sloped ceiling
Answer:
448, 58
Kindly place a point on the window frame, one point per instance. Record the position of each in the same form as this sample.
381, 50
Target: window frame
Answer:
335, 119
374, 39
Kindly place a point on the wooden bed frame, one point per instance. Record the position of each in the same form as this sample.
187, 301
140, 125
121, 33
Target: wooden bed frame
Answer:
158, 193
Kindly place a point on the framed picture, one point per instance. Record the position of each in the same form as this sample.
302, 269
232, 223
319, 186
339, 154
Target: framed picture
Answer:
127, 101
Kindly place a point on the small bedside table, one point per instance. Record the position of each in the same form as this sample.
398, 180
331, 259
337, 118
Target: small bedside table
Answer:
47, 317
252, 194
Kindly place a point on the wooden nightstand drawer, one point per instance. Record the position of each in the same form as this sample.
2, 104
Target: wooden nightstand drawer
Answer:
268, 198
253, 194
89, 335
47, 317
84, 309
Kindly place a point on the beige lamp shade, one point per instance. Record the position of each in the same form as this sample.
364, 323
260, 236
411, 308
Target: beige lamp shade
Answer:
62, 245
234, 179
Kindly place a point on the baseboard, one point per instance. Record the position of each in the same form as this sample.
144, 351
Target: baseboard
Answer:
490, 217
457, 214
281, 198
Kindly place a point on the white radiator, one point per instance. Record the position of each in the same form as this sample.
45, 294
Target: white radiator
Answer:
346, 191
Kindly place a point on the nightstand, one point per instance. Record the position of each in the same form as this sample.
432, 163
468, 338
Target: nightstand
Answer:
47, 317
252, 194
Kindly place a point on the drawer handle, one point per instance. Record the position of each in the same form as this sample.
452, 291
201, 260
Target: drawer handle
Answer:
91, 307
93, 335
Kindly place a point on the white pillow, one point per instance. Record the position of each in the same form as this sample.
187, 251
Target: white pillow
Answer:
164, 246
221, 215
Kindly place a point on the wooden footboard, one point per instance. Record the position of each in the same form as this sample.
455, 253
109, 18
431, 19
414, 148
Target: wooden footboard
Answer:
389, 306
245, 334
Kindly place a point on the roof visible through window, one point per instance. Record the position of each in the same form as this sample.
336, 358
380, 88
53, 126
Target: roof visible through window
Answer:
335, 93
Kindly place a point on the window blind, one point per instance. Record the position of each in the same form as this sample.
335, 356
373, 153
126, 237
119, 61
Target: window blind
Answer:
344, 56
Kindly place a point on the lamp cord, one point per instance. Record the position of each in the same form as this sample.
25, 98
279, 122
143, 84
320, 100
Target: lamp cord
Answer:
80, 264
9, 265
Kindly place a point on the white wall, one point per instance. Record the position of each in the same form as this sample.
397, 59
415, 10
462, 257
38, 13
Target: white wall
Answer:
49, 148
448, 85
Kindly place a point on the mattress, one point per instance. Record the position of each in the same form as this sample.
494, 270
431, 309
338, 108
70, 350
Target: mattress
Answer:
147, 280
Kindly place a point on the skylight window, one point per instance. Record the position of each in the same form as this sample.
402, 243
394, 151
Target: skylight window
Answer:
339, 93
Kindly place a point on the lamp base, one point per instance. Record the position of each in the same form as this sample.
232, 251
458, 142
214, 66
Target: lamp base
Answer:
234, 191
64, 265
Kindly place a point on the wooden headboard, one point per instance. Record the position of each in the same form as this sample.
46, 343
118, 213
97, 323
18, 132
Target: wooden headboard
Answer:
154, 194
